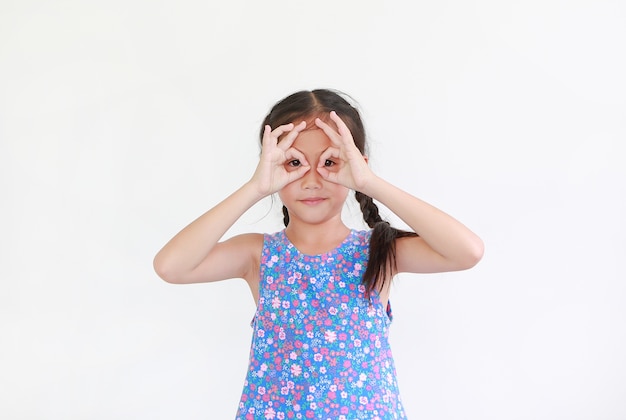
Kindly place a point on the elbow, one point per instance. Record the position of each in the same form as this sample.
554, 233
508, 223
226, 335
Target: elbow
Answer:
474, 254
165, 271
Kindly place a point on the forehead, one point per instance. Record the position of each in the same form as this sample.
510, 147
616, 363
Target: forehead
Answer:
312, 141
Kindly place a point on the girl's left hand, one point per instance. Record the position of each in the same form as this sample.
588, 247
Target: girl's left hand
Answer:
353, 171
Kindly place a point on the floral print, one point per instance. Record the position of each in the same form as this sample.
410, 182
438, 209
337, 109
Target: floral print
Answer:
320, 348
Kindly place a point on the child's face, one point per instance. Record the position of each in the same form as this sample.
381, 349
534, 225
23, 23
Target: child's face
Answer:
311, 199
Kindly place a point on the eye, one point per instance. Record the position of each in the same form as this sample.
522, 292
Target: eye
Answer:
329, 162
294, 163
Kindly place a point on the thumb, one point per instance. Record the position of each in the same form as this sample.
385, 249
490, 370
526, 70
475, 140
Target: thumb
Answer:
327, 175
299, 173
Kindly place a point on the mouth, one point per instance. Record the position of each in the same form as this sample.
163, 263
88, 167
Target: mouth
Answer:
312, 201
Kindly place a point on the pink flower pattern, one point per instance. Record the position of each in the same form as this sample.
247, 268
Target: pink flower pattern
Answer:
320, 348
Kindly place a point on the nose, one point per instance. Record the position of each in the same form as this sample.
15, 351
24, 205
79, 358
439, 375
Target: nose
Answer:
312, 180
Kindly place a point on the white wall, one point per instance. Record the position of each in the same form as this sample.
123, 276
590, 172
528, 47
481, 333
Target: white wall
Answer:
121, 121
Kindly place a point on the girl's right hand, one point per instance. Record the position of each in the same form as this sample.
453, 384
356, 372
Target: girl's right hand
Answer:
271, 174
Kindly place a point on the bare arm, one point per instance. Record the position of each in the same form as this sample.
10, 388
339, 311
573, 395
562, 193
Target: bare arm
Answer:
191, 255
195, 253
444, 244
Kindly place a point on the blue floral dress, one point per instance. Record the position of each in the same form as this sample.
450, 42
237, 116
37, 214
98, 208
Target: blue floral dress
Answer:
320, 348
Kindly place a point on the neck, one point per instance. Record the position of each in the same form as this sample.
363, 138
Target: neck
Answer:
318, 238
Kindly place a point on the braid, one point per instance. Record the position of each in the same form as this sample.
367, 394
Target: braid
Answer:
285, 216
382, 258
368, 208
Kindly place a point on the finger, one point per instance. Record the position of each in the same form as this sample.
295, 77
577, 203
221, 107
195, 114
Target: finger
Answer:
299, 173
334, 136
323, 124
328, 175
291, 154
280, 130
342, 139
331, 152
341, 126
344, 131
287, 142
267, 131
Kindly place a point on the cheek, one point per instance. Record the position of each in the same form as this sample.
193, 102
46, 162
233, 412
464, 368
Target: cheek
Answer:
286, 192
340, 191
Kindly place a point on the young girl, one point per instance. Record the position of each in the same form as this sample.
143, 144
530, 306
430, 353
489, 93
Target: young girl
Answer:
320, 333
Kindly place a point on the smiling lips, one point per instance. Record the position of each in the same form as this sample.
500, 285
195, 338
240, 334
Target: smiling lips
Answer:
312, 201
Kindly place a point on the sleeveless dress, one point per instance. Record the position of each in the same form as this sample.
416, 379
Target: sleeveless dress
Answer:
319, 348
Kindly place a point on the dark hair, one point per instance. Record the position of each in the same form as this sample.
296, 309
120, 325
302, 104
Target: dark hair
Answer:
308, 105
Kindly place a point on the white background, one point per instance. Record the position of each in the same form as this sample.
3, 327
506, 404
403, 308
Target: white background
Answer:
121, 121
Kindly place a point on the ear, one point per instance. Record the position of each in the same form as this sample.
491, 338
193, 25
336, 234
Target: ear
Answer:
367, 160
